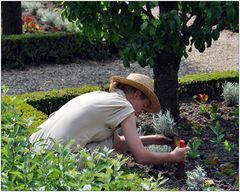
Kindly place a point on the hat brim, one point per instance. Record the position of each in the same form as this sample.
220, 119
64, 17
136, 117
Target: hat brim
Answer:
155, 104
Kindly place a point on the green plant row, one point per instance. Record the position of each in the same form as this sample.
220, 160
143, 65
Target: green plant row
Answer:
42, 104
31, 49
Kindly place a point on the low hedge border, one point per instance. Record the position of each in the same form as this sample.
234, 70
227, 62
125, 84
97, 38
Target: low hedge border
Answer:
33, 49
209, 83
42, 104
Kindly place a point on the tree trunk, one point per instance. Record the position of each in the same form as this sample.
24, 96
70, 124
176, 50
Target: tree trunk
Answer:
166, 82
11, 17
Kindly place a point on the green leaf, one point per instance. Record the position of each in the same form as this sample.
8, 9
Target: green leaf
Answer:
144, 25
215, 34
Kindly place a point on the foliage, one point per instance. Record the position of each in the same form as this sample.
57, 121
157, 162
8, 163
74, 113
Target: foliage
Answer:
146, 34
21, 50
219, 133
229, 146
26, 169
208, 83
159, 148
31, 6
30, 24
201, 100
195, 179
231, 93
194, 145
53, 18
163, 123
235, 113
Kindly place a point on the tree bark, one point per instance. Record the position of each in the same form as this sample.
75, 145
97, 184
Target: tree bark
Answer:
11, 17
166, 82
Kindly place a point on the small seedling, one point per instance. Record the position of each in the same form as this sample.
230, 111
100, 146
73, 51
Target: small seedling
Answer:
194, 145
212, 110
228, 146
201, 100
212, 160
227, 169
235, 113
219, 133
197, 128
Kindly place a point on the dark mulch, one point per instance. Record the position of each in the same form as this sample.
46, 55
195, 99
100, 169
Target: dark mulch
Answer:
189, 117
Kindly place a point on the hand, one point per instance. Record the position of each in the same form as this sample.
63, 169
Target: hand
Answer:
163, 140
180, 154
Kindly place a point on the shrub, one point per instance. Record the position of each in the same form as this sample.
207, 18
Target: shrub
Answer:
195, 179
31, 6
164, 123
209, 83
231, 93
33, 49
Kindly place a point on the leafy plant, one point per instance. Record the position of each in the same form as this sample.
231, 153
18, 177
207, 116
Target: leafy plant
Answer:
231, 93
195, 179
25, 168
163, 123
194, 145
159, 148
197, 128
229, 146
219, 133
31, 6
212, 111
235, 113
201, 100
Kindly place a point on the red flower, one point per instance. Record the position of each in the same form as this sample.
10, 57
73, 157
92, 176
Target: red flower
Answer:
29, 18
33, 25
202, 98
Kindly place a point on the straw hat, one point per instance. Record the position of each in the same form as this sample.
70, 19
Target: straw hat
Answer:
142, 83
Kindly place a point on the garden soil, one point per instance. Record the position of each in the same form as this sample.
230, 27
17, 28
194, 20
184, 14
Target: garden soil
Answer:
222, 167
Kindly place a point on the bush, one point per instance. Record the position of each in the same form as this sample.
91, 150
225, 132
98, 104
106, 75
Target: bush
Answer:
196, 178
231, 93
208, 83
163, 123
33, 49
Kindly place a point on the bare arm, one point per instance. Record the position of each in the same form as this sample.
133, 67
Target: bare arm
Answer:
121, 145
136, 147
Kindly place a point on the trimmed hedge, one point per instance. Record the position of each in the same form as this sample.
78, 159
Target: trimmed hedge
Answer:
33, 49
42, 104
209, 83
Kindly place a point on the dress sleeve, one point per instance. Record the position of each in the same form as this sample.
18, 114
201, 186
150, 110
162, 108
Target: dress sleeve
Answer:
117, 111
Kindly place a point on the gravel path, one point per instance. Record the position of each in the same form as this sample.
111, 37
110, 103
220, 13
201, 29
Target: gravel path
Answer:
222, 55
